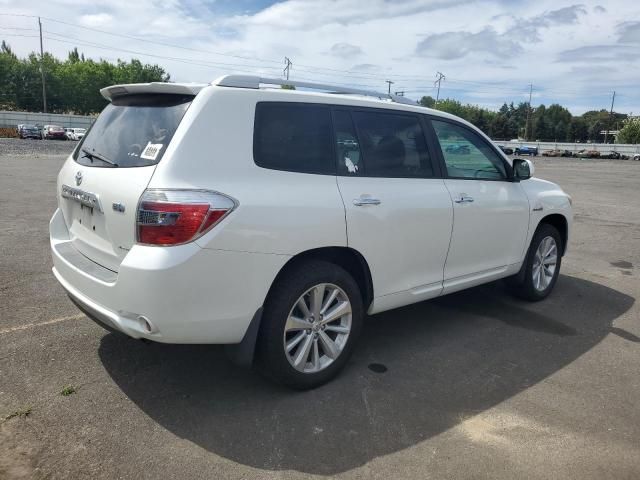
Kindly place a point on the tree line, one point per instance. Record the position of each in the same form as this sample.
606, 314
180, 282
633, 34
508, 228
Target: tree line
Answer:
73, 85
547, 124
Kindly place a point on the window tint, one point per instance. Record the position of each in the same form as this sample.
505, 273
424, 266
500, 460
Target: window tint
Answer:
392, 145
347, 146
466, 154
133, 131
293, 137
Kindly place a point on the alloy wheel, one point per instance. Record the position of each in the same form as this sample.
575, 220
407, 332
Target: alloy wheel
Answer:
544, 263
317, 328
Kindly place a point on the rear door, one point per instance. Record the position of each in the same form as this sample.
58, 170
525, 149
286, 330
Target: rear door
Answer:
100, 185
491, 212
399, 215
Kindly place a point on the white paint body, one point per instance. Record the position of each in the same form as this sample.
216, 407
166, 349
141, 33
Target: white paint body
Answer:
418, 243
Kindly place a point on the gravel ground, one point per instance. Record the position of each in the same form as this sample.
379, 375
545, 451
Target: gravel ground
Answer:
35, 148
474, 385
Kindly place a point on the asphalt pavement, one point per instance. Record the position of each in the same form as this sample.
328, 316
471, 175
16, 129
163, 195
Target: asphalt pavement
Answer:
473, 385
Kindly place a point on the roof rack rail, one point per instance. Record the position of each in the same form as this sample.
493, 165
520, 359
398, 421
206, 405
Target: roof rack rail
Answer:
250, 81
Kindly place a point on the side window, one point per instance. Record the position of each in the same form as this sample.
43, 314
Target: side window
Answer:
392, 145
294, 137
347, 146
466, 154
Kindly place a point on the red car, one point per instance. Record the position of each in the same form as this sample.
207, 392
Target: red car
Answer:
54, 132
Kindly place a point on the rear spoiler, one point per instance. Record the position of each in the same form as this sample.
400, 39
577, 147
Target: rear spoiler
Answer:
115, 91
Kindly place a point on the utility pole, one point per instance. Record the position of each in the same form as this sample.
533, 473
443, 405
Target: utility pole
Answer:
287, 67
44, 88
526, 126
441, 77
606, 132
390, 83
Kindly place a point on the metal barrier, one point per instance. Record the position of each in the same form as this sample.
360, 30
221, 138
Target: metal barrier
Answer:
13, 119
624, 149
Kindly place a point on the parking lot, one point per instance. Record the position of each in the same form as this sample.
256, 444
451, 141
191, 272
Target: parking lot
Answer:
472, 385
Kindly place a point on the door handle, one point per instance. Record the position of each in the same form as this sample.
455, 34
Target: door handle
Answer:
464, 198
359, 202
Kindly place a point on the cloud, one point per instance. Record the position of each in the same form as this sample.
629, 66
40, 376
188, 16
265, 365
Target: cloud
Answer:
452, 45
366, 67
313, 14
503, 45
528, 29
96, 19
600, 54
345, 50
629, 32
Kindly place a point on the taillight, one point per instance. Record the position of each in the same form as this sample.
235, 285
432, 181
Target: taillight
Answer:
173, 217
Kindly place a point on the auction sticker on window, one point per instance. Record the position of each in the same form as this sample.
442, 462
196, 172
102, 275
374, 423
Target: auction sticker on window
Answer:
151, 151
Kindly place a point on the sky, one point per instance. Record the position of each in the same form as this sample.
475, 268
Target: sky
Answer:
575, 54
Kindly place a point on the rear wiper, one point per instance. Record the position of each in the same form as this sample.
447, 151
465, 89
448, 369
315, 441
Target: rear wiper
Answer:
92, 155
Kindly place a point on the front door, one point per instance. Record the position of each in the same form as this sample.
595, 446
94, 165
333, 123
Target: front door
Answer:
491, 212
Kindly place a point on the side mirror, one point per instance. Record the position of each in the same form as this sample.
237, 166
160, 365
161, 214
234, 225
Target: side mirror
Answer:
522, 169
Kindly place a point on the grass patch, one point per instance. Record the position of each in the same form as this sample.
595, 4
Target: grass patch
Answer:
22, 413
68, 390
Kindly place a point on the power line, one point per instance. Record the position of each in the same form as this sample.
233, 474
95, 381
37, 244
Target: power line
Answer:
389, 82
441, 77
44, 88
526, 127
613, 99
487, 86
287, 67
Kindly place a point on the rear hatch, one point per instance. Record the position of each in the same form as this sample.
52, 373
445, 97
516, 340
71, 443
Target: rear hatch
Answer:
100, 186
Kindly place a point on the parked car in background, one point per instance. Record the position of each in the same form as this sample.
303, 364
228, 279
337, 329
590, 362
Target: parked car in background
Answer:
557, 153
29, 131
54, 132
636, 157
552, 153
612, 155
172, 231
75, 133
506, 150
588, 154
526, 150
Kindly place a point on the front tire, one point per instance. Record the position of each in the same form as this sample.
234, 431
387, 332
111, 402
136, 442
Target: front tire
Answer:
310, 324
541, 267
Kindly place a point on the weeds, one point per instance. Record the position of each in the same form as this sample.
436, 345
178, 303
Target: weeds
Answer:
68, 390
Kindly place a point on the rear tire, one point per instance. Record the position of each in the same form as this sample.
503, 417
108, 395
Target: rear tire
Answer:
542, 266
301, 344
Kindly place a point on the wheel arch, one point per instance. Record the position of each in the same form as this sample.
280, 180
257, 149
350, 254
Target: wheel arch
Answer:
351, 260
348, 258
561, 224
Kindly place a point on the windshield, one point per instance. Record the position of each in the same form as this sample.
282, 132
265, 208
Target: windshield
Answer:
133, 131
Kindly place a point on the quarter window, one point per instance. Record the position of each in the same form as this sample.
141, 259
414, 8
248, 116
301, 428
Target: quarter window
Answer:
466, 154
293, 137
392, 145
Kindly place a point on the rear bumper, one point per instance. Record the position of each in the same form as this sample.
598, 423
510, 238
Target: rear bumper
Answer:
181, 294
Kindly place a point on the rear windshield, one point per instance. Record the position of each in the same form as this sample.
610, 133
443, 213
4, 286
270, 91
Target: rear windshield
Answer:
132, 131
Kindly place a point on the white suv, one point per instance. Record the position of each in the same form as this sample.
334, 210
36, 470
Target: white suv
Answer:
274, 219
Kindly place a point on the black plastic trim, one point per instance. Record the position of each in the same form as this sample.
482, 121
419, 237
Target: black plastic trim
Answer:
242, 353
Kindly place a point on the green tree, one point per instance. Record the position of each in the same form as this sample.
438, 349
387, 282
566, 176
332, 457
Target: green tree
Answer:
630, 132
73, 85
427, 101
